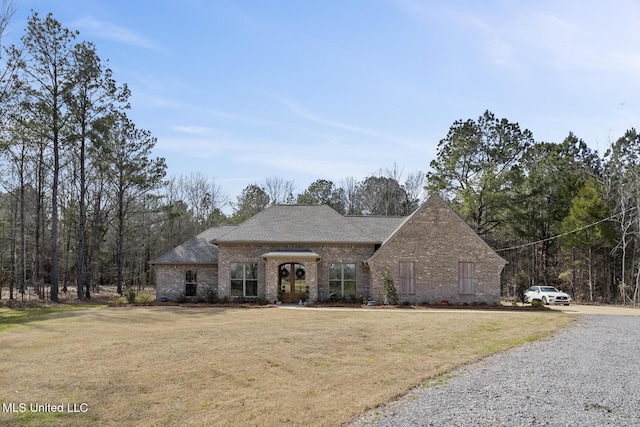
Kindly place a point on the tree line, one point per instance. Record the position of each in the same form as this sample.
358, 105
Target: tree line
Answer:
193, 203
84, 203
562, 214
78, 175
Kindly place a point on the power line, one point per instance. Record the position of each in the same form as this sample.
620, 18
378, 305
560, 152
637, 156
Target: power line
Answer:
567, 233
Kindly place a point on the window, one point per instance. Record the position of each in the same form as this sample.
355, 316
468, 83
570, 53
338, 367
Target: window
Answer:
244, 279
407, 284
466, 273
190, 283
342, 280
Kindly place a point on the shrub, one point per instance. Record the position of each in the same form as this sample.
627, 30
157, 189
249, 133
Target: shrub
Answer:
130, 295
207, 295
122, 300
143, 298
537, 303
389, 291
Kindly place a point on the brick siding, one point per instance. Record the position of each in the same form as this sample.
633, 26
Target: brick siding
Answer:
436, 239
317, 274
170, 279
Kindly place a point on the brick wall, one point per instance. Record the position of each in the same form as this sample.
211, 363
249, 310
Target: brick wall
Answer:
170, 279
436, 239
267, 283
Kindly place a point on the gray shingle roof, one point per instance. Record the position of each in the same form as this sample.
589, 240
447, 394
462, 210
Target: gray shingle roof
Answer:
310, 224
378, 227
284, 224
198, 250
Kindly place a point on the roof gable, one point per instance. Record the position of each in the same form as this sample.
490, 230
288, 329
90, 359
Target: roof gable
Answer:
436, 203
197, 250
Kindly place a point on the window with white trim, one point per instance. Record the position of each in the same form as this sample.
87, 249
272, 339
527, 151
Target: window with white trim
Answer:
342, 280
244, 279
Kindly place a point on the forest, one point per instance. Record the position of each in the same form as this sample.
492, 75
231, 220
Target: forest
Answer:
84, 203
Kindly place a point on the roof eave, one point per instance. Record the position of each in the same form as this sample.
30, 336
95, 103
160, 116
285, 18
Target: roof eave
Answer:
296, 242
182, 263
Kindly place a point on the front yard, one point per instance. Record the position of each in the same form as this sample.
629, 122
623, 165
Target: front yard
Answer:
262, 366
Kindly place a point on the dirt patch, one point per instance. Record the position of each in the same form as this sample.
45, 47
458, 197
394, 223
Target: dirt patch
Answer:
597, 309
101, 295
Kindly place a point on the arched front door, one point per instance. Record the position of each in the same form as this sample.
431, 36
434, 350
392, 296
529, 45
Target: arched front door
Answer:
292, 284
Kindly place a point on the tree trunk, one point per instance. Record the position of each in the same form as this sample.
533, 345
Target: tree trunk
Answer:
39, 231
590, 274
22, 264
54, 221
12, 278
623, 290
96, 236
635, 291
81, 280
120, 242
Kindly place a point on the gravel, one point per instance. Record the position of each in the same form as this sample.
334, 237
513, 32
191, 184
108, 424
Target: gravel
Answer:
586, 375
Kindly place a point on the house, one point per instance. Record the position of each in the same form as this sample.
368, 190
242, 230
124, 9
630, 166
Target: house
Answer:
292, 252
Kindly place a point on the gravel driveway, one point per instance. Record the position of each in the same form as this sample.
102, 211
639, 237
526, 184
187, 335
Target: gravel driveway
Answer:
587, 375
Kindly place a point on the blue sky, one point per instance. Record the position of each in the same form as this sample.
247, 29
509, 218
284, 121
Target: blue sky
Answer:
241, 90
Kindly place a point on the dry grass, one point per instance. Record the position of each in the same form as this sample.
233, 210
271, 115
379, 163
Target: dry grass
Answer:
169, 366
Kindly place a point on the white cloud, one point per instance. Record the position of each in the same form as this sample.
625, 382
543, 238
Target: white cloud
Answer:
370, 133
567, 35
197, 130
111, 31
564, 39
314, 166
190, 147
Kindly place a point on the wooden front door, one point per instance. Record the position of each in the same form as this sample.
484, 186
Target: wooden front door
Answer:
292, 283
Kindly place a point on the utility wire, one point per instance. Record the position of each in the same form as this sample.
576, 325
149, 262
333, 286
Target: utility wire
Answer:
567, 233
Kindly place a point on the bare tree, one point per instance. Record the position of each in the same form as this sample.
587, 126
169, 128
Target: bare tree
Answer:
414, 186
622, 179
350, 191
205, 199
178, 223
7, 10
279, 190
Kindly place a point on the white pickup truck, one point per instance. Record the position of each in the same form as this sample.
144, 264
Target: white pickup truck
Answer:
546, 294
